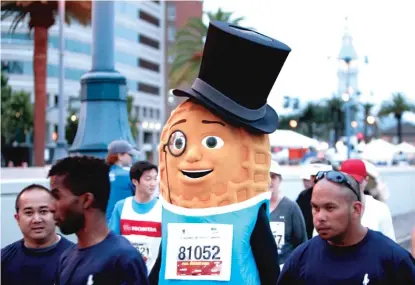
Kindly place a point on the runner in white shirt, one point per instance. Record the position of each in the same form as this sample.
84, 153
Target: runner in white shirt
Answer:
138, 218
376, 215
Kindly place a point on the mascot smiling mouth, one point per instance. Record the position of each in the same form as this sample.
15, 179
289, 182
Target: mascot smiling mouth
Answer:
195, 174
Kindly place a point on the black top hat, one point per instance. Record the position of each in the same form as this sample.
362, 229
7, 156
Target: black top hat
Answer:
239, 68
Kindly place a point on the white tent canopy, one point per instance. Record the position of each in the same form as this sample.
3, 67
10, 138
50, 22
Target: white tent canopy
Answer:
291, 139
379, 150
405, 148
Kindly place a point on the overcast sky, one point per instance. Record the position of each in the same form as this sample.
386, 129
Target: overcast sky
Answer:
382, 30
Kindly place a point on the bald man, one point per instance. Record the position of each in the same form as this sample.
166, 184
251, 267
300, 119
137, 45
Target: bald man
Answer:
345, 252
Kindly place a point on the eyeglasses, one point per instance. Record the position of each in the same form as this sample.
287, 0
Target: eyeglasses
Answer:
176, 144
339, 178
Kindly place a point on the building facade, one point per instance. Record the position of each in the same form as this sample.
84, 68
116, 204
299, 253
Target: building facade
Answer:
177, 15
140, 53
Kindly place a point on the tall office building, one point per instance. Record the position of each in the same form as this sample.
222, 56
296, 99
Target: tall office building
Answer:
140, 53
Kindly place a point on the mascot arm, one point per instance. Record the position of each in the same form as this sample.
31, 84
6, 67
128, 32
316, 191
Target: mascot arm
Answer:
155, 271
265, 249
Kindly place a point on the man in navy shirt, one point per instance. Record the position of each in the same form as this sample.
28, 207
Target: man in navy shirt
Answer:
345, 252
33, 259
81, 187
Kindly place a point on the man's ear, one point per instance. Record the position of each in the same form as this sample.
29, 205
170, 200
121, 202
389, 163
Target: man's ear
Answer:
16, 216
87, 200
358, 208
135, 182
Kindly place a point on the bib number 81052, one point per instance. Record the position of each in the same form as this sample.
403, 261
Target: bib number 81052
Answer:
198, 252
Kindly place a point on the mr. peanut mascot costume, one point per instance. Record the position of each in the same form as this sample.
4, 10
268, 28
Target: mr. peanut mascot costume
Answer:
214, 166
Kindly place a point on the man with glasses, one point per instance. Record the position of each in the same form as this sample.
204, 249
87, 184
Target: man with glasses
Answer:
376, 214
308, 174
345, 252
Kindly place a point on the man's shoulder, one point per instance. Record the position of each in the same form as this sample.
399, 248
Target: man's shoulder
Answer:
64, 243
305, 194
11, 250
304, 250
122, 246
16, 244
380, 240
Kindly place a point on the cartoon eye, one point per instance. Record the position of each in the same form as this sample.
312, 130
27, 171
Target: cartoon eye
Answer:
177, 143
213, 142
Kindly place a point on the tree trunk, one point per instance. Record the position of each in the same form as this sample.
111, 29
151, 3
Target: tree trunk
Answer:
40, 75
399, 127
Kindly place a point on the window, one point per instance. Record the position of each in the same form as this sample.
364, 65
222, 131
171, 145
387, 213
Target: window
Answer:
148, 65
151, 113
12, 67
171, 33
144, 112
56, 100
137, 112
147, 137
171, 11
146, 88
149, 42
148, 18
157, 114
154, 1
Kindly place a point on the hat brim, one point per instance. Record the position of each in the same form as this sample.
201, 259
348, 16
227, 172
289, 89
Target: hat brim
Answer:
134, 152
358, 178
267, 124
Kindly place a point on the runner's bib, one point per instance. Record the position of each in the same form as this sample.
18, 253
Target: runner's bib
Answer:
197, 251
278, 230
142, 230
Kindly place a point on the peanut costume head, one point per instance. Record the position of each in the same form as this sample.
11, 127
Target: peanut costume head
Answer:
206, 162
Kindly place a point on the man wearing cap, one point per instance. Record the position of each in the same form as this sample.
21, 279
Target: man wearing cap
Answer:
286, 221
120, 157
308, 174
376, 214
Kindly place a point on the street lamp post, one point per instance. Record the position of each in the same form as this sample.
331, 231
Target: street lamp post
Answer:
60, 150
347, 106
103, 116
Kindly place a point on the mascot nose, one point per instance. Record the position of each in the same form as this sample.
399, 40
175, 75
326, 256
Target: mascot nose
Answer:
193, 154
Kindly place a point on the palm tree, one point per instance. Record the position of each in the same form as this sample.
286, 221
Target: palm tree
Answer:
188, 47
367, 107
42, 17
397, 107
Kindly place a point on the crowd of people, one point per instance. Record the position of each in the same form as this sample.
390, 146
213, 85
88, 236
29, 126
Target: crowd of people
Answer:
113, 208
221, 216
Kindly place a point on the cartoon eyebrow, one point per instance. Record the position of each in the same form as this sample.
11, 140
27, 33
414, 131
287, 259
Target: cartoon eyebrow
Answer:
178, 122
212, 122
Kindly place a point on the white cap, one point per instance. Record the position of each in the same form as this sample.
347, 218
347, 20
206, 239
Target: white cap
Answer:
275, 168
313, 168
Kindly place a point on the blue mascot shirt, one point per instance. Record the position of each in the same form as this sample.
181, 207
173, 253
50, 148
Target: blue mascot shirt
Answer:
210, 246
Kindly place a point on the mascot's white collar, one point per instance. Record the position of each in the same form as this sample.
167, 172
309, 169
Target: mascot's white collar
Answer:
215, 210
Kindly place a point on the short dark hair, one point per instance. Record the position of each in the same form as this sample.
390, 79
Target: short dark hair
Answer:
137, 170
85, 174
28, 188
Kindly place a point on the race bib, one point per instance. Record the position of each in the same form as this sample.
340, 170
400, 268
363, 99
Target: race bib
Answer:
142, 248
278, 230
199, 251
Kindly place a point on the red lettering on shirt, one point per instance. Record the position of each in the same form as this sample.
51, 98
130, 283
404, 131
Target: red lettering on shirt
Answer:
143, 228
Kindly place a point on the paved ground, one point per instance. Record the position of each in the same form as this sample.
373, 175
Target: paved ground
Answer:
404, 225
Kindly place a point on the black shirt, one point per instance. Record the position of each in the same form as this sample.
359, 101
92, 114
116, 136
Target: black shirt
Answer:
304, 202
